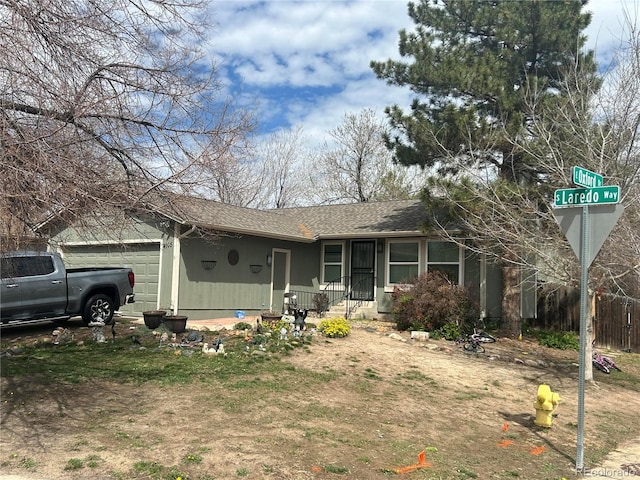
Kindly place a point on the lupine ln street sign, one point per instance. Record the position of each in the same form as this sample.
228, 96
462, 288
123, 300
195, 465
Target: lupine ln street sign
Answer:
571, 197
586, 178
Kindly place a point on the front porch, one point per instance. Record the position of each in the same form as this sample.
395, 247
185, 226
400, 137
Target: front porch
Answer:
349, 297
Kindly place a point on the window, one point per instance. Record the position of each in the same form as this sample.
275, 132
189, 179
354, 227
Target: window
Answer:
444, 257
14, 267
403, 261
331, 262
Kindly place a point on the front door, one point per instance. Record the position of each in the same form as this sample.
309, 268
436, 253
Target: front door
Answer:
279, 278
363, 256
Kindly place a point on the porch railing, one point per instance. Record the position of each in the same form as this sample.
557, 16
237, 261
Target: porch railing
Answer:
337, 291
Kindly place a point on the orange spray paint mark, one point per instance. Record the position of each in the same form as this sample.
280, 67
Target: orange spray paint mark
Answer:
537, 450
505, 426
505, 443
422, 463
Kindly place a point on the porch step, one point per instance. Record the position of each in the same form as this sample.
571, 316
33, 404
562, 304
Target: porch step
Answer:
364, 310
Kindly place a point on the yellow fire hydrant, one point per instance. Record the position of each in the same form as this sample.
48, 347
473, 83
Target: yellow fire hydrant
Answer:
546, 402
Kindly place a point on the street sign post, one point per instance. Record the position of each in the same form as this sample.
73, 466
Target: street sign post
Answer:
586, 238
571, 197
586, 178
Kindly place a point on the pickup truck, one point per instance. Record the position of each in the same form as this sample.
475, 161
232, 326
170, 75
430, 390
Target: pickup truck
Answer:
37, 286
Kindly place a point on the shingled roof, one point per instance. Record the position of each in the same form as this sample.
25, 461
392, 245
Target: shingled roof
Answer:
303, 224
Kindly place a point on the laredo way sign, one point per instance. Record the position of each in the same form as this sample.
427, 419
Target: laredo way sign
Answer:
572, 197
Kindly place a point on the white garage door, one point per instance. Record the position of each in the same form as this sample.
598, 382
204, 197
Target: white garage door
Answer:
143, 259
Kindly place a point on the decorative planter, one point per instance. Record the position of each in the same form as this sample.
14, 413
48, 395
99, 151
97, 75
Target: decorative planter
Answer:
271, 318
175, 323
153, 318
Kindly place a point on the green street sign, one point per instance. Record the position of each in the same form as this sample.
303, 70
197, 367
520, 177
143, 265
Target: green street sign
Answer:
571, 197
586, 178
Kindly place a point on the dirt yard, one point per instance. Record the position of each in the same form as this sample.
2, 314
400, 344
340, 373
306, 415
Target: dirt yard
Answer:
359, 407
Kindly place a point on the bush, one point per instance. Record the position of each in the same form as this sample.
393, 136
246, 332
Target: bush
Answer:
320, 303
561, 340
243, 326
430, 303
334, 327
449, 331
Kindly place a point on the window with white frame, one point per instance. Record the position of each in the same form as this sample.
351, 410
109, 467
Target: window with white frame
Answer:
332, 260
444, 257
403, 260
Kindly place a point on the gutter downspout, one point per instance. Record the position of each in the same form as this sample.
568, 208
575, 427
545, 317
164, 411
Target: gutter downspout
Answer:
175, 275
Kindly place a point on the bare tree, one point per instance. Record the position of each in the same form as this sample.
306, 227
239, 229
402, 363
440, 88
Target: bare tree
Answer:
618, 155
280, 179
599, 129
226, 174
101, 102
357, 166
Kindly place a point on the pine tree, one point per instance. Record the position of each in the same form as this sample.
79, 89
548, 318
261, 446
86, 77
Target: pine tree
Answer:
475, 67
475, 62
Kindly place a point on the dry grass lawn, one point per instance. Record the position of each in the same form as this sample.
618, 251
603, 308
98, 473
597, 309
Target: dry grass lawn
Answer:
358, 407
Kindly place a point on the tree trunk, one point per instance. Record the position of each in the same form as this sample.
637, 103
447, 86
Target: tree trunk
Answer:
588, 352
588, 365
511, 300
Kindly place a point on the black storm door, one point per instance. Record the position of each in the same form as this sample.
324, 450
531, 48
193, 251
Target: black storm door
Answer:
363, 255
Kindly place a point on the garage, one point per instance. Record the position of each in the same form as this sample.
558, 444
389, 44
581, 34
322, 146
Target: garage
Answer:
142, 258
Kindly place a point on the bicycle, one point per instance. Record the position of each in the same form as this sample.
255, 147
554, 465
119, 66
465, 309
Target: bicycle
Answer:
483, 337
480, 335
470, 343
604, 364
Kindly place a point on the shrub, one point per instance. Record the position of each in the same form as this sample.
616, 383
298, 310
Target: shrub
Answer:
561, 340
334, 327
320, 303
243, 326
449, 331
430, 303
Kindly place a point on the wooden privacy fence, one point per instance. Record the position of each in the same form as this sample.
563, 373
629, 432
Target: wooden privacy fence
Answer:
616, 324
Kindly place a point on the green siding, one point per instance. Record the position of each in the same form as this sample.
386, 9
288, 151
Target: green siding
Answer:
228, 288
472, 276
148, 246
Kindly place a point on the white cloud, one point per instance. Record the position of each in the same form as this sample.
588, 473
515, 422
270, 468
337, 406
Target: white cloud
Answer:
607, 25
308, 61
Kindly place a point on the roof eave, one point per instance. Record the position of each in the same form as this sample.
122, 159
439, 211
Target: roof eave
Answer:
255, 233
370, 235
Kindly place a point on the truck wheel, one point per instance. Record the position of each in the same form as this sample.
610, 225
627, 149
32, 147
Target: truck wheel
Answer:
99, 308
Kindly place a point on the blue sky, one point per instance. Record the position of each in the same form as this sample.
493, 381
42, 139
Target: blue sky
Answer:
307, 62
